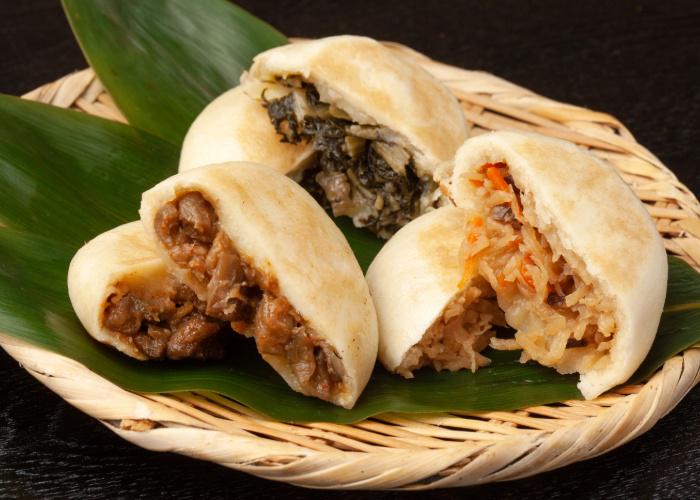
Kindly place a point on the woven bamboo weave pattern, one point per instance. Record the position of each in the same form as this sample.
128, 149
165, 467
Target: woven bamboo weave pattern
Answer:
447, 449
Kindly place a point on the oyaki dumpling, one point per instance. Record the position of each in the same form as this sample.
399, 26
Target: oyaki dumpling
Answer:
359, 125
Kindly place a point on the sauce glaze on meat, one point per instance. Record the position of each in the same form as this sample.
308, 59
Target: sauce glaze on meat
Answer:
240, 295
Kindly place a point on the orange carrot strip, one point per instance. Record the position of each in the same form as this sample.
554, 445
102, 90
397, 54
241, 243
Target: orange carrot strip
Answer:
503, 282
476, 221
513, 245
526, 275
494, 174
467, 273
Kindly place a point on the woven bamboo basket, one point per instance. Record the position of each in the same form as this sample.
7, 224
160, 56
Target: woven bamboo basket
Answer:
446, 449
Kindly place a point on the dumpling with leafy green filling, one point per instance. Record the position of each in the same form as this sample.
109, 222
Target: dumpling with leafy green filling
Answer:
359, 125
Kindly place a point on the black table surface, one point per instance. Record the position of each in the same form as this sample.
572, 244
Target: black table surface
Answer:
637, 60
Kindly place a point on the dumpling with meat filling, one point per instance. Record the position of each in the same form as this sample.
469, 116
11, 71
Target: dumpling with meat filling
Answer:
574, 258
265, 258
125, 297
429, 312
360, 126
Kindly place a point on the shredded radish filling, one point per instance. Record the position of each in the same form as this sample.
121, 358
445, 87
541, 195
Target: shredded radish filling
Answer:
455, 340
562, 319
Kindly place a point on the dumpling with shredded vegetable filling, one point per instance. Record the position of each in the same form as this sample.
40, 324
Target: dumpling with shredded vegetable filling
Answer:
429, 313
573, 257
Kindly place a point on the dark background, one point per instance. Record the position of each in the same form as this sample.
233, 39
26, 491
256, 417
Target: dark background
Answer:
637, 60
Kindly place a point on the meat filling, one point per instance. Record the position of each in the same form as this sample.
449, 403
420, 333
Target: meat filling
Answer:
561, 317
240, 295
358, 170
170, 324
455, 340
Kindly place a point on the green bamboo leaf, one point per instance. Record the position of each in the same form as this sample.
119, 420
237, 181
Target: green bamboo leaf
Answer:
68, 176
364, 244
680, 322
164, 60
71, 175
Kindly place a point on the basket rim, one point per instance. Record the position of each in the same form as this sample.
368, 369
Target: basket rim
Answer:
187, 424
448, 449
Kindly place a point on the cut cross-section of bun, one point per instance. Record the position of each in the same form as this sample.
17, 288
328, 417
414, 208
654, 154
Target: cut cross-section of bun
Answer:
265, 258
429, 313
547, 239
125, 297
573, 256
360, 126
